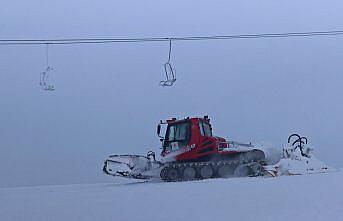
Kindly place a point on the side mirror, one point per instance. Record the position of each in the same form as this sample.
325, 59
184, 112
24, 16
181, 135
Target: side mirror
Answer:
158, 129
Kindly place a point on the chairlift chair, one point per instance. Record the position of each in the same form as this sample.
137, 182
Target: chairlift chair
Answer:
169, 70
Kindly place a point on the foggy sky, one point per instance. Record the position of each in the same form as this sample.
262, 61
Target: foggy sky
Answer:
107, 98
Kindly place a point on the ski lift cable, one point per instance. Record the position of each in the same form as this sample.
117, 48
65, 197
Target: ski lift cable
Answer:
158, 39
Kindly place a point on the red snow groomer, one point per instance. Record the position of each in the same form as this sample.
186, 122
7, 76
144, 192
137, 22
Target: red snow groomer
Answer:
189, 151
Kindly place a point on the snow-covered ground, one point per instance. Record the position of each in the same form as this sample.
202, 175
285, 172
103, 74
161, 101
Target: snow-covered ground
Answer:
307, 197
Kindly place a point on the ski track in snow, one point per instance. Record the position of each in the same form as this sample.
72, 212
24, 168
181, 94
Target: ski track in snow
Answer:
307, 197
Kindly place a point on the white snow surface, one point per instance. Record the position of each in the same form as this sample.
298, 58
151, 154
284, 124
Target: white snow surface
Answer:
306, 197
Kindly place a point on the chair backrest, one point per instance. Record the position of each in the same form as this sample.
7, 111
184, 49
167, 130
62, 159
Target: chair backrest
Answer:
170, 75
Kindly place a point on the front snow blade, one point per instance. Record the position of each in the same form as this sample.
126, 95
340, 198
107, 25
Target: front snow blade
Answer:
131, 166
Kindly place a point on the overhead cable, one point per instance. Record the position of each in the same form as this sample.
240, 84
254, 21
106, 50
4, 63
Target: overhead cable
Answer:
158, 39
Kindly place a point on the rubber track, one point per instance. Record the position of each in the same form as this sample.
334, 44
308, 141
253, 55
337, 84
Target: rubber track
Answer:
180, 167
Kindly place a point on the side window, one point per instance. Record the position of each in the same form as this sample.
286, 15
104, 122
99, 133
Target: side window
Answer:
207, 130
201, 128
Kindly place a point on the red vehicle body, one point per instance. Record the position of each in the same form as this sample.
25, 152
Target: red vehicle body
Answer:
193, 141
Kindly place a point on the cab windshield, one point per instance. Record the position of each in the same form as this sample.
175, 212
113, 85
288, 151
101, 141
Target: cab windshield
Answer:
177, 136
178, 132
